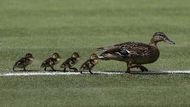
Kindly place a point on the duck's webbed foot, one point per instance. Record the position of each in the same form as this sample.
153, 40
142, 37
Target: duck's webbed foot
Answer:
45, 68
75, 69
65, 69
24, 69
52, 68
129, 66
143, 68
90, 71
128, 70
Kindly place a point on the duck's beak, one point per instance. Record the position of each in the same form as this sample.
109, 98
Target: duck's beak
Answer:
167, 40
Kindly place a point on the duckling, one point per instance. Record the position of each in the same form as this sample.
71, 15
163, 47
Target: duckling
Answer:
24, 62
51, 61
89, 64
134, 54
70, 62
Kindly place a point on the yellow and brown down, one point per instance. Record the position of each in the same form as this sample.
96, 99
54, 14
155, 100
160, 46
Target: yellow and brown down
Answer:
70, 62
51, 61
24, 62
89, 64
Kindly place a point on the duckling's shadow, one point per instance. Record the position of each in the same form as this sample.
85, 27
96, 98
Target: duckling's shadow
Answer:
43, 71
88, 74
65, 71
58, 71
26, 71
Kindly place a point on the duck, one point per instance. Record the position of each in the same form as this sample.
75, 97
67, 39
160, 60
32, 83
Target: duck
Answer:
90, 63
135, 54
70, 62
24, 62
51, 61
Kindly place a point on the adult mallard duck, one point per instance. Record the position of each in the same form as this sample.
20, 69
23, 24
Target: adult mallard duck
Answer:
135, 53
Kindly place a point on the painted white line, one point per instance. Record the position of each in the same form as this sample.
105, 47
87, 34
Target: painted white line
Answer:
36, 73
77, 73
52, 73
186, 72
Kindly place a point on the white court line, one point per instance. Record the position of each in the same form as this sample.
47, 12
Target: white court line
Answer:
52, 73
77, 73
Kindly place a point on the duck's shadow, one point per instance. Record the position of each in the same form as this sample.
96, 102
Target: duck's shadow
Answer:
138, 73
149, 72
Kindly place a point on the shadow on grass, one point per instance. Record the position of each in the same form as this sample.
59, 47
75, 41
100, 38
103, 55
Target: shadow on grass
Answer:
25, 71
146, 72
41, 71
38, 71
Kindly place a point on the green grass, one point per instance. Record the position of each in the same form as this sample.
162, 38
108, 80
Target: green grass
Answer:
46, 26
85, 91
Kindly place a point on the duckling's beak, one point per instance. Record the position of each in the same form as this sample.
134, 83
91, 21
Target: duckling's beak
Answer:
167, 40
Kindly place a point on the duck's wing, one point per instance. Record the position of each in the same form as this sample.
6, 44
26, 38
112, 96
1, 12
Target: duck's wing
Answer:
69, 61
21, 62
127, 49
47, 62
135, 49
85, 65
110, 48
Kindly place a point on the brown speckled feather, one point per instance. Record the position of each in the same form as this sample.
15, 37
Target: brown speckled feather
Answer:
132, 49
23, 62
90, 63
49, 62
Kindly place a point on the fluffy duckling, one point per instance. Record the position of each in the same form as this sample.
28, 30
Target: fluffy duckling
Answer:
70, 62
24, 62
89, 64
51, 61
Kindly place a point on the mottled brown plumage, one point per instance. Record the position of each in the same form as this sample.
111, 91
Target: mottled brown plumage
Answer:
89, 64
24, 62
70, 62
135, 53
51, 61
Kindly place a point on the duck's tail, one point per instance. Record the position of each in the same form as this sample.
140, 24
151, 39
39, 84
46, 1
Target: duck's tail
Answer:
101, 49
100, 57
103, 56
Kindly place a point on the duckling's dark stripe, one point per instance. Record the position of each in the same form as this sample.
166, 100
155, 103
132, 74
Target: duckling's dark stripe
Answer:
73, 60
92, 63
